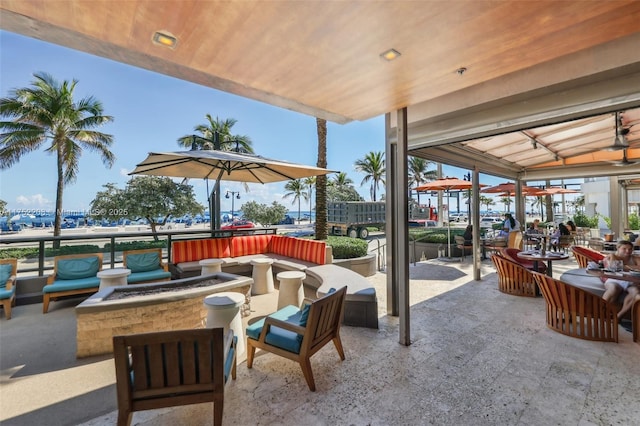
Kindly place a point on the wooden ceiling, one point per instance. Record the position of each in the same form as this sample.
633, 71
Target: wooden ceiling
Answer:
322, 58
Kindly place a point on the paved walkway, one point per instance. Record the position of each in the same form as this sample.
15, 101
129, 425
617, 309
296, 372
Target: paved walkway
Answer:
478, 357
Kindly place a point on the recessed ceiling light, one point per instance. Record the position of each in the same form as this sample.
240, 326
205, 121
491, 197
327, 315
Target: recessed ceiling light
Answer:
165, 39
390, 55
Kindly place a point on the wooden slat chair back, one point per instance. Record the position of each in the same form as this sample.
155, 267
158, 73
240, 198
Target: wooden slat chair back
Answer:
282, 334
565, 242
171, 368
463, 246
8, 288
584, 255
577, 312
514, 278
515, 240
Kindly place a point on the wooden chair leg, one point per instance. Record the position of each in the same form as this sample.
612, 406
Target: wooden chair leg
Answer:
124, 418
338, 344
218, 406
6, 305
308, 374
45, 303
251, 350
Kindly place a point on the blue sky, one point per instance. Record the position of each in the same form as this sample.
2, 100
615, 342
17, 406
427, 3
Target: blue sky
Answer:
151, 111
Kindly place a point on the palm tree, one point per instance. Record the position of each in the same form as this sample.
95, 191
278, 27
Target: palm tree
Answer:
321, 181
296, 189
214, 132
341, 179
374, 166
487, 201
507, 203
46, 111
310, 183
419, 173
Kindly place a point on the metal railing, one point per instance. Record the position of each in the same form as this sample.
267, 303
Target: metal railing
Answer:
47, 241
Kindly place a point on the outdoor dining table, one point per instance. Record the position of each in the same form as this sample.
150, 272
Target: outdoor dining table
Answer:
549, 257
631, 276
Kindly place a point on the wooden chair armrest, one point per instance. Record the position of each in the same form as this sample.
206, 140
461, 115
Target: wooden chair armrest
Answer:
269, 321
51, 278
10, 281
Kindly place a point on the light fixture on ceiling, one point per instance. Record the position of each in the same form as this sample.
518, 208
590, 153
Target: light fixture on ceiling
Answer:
390, 55
619, 142
165, 38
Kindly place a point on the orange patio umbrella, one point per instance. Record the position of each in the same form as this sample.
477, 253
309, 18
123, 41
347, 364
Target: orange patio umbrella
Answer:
509, 188
553, 190
446, 184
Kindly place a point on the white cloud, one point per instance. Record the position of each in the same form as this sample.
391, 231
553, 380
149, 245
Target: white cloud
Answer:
124, 172
36, 201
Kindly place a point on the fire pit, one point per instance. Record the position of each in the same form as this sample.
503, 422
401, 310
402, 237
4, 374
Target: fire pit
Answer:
141, 308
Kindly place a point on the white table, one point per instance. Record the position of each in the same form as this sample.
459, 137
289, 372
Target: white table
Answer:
113, 277
211, 266
291, 291
262, 276
223, 310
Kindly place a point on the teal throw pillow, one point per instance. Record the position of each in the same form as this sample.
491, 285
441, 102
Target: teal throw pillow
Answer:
74, 269
304, 316
143, 262
5, 273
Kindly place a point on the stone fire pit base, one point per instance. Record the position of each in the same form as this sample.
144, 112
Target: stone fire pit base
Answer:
180, 306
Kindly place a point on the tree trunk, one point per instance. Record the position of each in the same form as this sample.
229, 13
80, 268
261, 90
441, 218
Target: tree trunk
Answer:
321, 182
59, 190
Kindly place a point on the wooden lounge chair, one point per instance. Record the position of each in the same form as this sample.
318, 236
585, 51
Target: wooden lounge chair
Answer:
146, 266
171, 368
577, 312
513, 278
8, 270
73, 274
289, 334
463, 246
584, 255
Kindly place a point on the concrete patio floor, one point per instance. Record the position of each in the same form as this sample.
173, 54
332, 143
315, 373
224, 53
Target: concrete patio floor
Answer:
478, 357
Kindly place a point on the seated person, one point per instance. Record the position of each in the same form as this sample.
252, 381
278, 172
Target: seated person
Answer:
615, 286
534, 228
572, 226
468, 235
555, 237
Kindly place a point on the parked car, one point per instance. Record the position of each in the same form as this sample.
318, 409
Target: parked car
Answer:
239, 224
489, 221
458, 217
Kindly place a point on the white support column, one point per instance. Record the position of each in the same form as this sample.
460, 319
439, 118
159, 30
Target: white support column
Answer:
397, 202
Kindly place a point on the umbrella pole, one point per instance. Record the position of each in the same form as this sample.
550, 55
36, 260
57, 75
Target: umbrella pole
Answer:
449, 238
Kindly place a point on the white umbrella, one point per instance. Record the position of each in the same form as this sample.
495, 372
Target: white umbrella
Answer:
223, 165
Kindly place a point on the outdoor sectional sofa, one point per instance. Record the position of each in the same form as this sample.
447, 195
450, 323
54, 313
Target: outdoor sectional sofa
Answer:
288, 254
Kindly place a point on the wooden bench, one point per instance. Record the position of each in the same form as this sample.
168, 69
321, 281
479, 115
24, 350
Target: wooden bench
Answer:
73, 274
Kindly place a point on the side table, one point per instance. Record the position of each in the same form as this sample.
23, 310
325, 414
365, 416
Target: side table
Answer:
291, 291
223, 310
210, 266
113, 277
262, 276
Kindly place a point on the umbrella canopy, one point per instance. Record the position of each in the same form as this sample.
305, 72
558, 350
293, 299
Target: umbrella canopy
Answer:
223, 165
445, 184
509, 188
553, 190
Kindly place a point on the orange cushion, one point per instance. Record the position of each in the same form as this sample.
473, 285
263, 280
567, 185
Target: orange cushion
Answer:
591, 254
310, 250
282, 245
250, 244
192, 250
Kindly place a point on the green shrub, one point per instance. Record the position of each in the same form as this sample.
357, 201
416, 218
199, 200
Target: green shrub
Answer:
136, 245
584, 221
433, 235
347, 248
634, 221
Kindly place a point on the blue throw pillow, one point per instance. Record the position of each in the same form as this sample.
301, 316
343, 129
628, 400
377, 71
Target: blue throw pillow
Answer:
5, 273
74, 269
143, 262
304, 316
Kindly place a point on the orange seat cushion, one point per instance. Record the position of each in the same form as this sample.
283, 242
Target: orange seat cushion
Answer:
250, 244
192, 250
